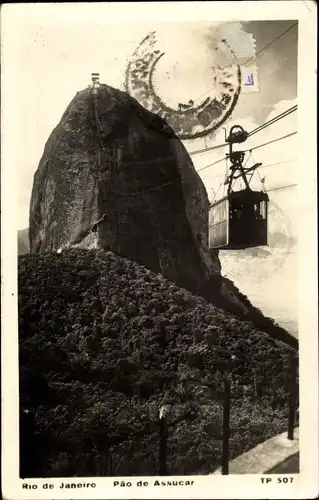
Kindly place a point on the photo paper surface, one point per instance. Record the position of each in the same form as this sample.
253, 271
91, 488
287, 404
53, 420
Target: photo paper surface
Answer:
159, 299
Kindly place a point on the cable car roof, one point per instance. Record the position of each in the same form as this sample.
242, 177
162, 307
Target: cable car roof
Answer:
244, 195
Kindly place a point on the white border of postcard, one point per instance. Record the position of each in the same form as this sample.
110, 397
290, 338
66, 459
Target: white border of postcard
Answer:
305, 484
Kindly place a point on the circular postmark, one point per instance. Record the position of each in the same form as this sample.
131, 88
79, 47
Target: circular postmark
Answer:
256, 265
188, 121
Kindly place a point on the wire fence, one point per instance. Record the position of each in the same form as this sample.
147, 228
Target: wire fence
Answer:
291, 413
160, 441
227, 426
230, 389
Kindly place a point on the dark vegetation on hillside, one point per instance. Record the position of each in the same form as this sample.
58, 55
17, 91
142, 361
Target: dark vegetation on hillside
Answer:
105, 342
254, 315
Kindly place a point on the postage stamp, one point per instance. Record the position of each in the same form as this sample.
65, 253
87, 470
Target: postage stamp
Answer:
250, 79
151, 343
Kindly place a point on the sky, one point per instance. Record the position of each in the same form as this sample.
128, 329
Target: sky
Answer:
55, 61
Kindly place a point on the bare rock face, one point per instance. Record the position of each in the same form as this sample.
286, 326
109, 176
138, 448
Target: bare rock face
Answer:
115, 176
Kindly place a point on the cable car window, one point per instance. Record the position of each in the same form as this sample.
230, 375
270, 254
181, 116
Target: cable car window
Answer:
257, 213
263, 209
223, 211
236, 213
218, 214
259, 210
214, 210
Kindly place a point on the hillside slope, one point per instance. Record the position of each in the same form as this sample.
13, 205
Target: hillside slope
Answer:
105, 342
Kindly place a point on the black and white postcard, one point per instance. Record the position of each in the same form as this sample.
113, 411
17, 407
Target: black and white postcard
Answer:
159, 250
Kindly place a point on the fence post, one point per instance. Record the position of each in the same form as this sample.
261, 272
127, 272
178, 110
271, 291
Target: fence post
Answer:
162, 447
292, 397
226, 427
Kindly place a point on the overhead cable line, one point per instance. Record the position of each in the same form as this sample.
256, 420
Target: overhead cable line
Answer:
282, 187
254, 131
148, 162
215, 194
179, 180
192, 153
211, 148
271, 142
173, 157
262, 166
278, 163
211, 164
167, 158
253, 57
252, 149
262, 180
270, 122
270, 43
274, 120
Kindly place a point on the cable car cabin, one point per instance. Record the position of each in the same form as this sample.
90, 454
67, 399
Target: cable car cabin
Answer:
239, 220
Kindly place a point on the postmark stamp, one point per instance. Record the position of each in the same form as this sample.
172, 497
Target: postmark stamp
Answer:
204, 114
188, 120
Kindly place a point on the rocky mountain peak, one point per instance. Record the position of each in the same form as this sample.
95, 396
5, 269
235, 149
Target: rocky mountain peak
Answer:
115, 176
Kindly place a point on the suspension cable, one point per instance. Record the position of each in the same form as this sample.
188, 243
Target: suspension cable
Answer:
253, 57
270, 122
274, 120
261, 181
271, 142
